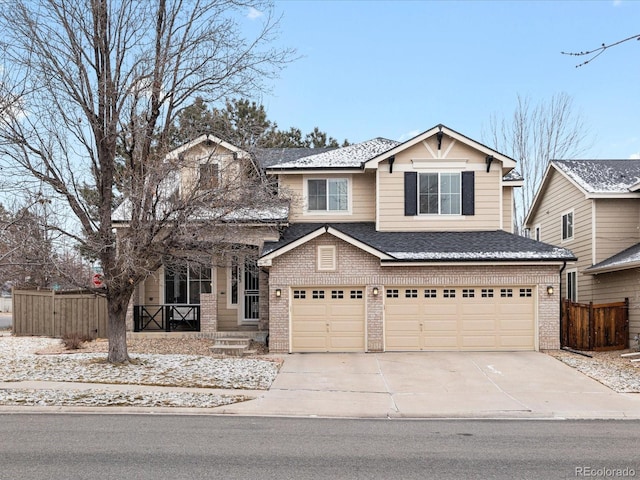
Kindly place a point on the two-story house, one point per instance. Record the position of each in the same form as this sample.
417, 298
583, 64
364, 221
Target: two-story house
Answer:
408, 246
385, 246
592, 207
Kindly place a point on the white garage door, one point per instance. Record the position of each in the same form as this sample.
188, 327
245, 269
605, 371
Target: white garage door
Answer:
455, 318
327, 319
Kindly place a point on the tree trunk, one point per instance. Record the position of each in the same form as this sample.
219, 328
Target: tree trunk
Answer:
117, 309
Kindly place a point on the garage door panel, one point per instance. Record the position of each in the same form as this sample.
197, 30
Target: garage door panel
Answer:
461, 318
332, 321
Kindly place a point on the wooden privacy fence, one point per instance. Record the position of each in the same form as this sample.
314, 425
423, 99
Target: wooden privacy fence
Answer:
54, 314
595, 327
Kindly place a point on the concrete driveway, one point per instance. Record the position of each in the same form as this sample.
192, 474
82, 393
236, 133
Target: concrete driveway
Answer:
447, 384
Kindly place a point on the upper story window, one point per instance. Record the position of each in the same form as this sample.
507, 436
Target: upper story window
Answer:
439, 193
209, 175
328, 195
567, 226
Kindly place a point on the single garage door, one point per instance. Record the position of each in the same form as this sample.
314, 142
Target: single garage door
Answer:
454, 318
327, 319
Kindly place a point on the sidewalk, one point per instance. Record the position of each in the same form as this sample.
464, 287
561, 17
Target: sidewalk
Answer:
406, 385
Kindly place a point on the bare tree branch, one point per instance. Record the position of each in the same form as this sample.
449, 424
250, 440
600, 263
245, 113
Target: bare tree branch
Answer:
596, 52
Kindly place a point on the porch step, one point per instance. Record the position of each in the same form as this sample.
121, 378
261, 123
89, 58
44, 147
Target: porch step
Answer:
233, 346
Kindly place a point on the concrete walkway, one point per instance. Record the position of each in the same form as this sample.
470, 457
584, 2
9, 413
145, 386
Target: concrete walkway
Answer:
405, 385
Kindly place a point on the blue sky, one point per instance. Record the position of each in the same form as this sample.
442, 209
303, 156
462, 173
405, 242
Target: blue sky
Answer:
394, 69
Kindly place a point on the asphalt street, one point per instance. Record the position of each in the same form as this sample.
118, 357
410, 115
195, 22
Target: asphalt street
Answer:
46, 446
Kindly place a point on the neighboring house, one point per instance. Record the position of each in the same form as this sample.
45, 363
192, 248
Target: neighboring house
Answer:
593, 208
386, 246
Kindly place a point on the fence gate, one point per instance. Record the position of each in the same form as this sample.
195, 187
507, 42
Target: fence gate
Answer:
595, 327
54, 314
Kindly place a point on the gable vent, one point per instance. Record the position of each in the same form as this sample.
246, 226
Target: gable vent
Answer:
326, 257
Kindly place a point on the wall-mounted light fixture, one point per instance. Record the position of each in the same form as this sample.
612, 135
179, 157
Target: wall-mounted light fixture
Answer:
375, 291
550, 290
278, 293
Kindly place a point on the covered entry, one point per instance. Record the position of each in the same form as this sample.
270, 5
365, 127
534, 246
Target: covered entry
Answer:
459, 318
328, 319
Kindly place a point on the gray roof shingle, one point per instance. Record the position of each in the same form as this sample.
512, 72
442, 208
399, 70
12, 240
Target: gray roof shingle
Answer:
496, 245
628, 258
601, 176
352, 156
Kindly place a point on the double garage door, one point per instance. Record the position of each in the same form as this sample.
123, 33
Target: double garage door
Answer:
415, 318
454, 318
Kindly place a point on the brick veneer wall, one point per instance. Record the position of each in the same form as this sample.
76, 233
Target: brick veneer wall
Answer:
358, 268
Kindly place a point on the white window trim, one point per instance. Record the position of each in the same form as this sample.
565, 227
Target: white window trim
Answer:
439, 215
231, 306
573, 225
573, 271
332, 251
305, 195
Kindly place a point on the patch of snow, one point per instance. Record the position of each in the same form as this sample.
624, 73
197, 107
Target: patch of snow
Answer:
351, 156
20, 363
602, 176
556, 253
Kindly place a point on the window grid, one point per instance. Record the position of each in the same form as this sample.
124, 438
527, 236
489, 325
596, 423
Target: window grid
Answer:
302, 294
468, 293
506, 292
525, 292
392, 293
337, 294
430, 293
317, 294
356, 293
487, 293
449, 293
411, 293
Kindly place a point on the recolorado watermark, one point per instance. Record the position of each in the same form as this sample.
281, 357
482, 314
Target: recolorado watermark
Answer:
604, 472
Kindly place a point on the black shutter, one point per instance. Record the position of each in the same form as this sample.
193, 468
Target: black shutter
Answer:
410, 193
468, 193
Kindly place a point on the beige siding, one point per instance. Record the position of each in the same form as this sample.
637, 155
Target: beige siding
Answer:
616, 225
560, 196
231, 169
487, 189
507, 209
362, 196
227, 317
154, 288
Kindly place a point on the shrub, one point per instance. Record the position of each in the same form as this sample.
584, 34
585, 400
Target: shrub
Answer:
73, 341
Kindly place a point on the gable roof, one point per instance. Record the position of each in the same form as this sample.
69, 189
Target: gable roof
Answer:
594, 178
601, 176
352, 156
475, 246
629, 258
207, 138
507, 162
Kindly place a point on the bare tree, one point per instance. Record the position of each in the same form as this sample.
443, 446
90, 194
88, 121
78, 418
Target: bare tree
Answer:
534, 135
99, 84
596, 52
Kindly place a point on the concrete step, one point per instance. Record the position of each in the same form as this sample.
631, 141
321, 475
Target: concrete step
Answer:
232, 341
231, 350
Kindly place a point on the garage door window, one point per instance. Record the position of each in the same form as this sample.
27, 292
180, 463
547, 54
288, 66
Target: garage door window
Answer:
392, 293
337, 294
411, 293
300, 294
468, 293
525, 292
449, 293
430, 293
506, 292
487, 293
356, 294
317, 294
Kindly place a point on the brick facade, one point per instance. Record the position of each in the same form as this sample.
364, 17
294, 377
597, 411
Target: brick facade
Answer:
359, 268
